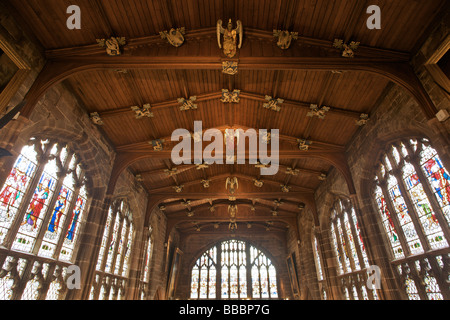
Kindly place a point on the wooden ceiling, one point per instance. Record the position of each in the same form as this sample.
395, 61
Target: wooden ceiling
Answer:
112, 90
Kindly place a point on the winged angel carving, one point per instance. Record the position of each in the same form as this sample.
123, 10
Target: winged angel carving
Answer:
230, 36
232, 183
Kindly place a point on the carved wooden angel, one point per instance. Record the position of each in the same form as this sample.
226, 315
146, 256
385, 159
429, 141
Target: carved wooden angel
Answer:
232, 183
232, 210
230, 36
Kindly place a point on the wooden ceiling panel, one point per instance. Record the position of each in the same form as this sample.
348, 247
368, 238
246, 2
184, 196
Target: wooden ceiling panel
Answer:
321, 19
112, 92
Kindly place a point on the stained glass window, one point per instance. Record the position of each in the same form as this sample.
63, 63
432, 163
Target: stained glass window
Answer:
319, 266
226, 267
115, 252
350, 251
39, 192
15, 187
38, 201
412, 195
347, 240
147, 257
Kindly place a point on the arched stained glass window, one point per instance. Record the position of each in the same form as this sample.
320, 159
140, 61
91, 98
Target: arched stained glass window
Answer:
114, 254
412, 193
42, 207
350, 251
347, 240
224, 271
117, 240
45, 187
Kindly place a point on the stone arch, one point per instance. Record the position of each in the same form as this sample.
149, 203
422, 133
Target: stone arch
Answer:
78, 141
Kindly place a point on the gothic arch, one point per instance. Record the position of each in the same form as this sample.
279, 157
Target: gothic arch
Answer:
217, 242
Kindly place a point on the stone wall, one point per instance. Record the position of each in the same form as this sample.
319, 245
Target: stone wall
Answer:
158, 222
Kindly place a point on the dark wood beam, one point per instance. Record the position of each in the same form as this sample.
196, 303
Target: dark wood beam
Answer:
224, 177
399, 72
217, 95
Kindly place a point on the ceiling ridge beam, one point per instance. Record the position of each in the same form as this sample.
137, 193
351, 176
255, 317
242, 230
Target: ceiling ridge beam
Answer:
224, 176
210, 32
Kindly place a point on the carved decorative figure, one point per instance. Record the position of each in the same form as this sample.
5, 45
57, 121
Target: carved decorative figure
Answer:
318, 112
278, 203
174, 36
202, 166
187, 104
212, 209
232, 211
304, 144
190, 213
363, 120
261, 165
266, 137
322, 177
95, 118
205, 183
186, 203
285, 188
348, 50
112, 45
273, 104
284, 38
230, 67
292, 172
258, 183
230, 97
178, 189
232, 184
230, 36
145, 111
171, 172
274, 213
157, 144
139, 178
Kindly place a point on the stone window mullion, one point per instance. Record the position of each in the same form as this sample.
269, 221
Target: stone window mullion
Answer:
418, 280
